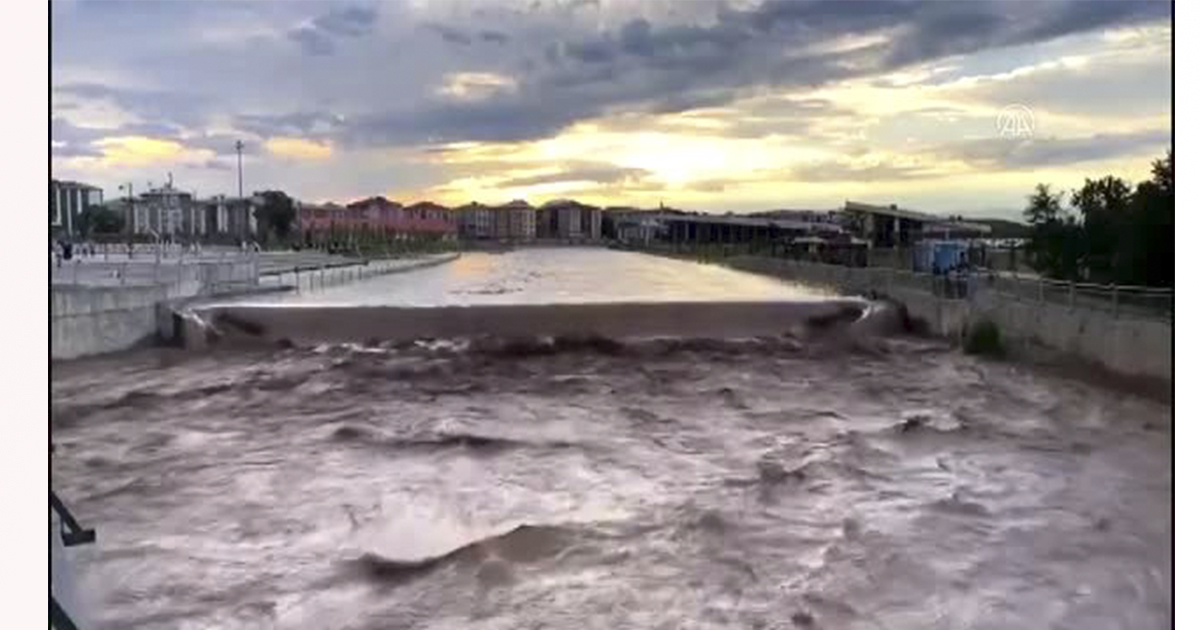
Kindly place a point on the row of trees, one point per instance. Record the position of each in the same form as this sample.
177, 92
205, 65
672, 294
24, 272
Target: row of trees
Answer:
100, 221
1111, 233
276, 216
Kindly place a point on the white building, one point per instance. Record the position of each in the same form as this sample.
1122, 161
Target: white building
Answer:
68, 200
163, 211
570, 220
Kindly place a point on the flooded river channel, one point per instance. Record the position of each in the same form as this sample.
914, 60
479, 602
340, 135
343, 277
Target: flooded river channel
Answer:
766, 483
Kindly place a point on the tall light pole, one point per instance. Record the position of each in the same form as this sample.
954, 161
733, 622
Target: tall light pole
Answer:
131, 225
239, 146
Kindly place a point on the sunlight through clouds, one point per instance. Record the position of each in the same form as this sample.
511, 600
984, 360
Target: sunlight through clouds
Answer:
734, 106
299, 148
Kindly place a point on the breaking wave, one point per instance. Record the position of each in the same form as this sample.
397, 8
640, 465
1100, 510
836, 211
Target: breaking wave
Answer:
524, 544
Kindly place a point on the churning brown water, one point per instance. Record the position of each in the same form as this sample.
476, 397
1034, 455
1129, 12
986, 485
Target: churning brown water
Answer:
759, 484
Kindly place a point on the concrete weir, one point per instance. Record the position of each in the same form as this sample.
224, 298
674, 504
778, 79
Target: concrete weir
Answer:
205, 326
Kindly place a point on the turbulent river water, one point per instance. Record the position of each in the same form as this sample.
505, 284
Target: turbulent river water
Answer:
767, 483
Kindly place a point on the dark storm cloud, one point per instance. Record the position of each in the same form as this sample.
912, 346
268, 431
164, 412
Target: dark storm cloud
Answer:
1035, 152
75, 150
78, 141
636, 39
61, 130
566, 71
159, 106
552, 53
1086, 15
319, 36
311, 41
596, 51
499, 119
294, 123
941, 29
449, 34
574, 5
825, 15
493, 37
347, 21
673, 67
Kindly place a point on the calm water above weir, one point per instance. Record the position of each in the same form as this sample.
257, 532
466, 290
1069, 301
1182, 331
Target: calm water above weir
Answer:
822, 482
554, 276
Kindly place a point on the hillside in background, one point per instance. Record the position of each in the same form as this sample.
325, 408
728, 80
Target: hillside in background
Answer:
1003, 228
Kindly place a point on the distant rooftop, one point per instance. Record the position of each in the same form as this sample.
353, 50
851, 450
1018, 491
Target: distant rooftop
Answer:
372, 201
891, 211
751, 221
63, 183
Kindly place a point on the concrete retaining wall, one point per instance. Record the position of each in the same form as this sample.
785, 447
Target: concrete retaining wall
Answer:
87, 320
93, 320
1127, 345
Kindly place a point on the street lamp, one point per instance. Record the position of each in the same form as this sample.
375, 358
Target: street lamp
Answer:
239, 145
128, 188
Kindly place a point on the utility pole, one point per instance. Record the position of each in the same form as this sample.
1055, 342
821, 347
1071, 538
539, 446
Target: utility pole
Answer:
239, 146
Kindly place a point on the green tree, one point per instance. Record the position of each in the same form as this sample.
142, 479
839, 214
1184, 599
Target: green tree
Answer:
100, 220
1164, 173
1054, 244
1150, 235
1125, 236
1045, 206
276, 215
1105, 206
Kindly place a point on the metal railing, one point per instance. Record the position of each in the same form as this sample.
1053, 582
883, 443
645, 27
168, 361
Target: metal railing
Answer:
72, 534
314, 277
1118, 300
181, 277
1115, 300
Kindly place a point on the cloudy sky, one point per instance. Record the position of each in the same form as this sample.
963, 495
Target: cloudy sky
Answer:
948, 106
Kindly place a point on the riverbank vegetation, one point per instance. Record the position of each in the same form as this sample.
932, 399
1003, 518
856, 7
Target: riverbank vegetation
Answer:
1112, 232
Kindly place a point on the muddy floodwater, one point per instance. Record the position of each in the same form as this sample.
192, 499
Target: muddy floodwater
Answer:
774, 483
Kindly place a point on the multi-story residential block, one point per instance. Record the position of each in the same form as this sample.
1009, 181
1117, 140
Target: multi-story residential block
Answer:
515, 221
476, 221
572, 221
160, 211
429, 220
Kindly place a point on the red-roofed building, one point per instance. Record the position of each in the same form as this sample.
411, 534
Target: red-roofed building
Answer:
430, 219
379, 215
373, 214
318, 219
